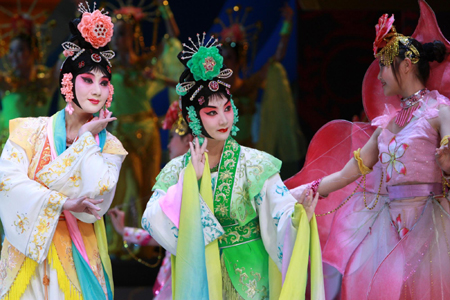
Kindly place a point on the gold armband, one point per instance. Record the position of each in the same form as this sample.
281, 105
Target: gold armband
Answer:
362, 168
444, 140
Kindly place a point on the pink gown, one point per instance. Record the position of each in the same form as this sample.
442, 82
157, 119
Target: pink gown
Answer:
400, 249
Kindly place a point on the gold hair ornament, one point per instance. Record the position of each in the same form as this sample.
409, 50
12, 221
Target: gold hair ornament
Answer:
388, 53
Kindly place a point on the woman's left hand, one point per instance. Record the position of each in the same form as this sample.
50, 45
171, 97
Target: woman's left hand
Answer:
443, 158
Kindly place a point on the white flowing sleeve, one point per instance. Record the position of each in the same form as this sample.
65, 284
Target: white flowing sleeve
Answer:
28, 210
83, 170
275, 207
158, 225
162, 215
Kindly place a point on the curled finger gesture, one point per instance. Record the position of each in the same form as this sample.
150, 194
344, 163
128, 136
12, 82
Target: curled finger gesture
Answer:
98, 123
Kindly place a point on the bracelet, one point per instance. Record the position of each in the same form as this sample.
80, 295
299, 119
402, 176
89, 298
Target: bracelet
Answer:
444, 140
315, 186
362, 168
286, 28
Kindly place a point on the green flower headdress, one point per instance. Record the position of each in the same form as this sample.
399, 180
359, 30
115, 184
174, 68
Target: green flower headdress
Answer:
201, 79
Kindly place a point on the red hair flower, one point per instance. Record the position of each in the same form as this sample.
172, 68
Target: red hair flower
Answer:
96, 28
382, 29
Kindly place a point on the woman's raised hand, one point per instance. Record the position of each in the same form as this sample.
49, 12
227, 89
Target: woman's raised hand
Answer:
309, 202
98, 123
83, 204
198, 156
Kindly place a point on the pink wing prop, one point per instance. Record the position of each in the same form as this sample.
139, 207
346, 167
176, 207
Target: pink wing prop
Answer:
330, 149
427, 30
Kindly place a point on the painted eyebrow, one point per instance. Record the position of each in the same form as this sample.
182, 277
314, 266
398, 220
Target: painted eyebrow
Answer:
210, 106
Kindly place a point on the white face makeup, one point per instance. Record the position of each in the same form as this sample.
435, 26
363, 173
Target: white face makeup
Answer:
92, 90
217, 117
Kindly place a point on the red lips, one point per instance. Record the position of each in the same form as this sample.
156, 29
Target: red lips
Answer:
223, 130
94, 101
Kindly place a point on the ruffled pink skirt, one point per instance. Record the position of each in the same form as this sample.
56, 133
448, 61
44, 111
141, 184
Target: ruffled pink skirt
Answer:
400, 249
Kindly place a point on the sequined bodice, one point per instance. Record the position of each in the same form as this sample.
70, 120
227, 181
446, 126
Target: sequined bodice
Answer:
409, 156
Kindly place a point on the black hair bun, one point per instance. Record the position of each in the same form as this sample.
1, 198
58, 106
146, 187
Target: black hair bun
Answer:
434, 51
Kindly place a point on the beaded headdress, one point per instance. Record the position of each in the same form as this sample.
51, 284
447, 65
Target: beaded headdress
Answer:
86, 49
388, 42
202, 78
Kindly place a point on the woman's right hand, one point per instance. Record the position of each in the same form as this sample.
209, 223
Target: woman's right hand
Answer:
309, 202
117, 219
198, 157
83, 204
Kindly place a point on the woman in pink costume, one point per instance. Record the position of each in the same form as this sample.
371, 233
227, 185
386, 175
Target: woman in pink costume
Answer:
390, 237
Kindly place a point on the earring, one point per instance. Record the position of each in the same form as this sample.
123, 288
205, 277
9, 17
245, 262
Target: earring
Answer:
110, 96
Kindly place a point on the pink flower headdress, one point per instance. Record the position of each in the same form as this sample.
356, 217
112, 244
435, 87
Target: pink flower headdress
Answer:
67, 91
383, 27
95, 27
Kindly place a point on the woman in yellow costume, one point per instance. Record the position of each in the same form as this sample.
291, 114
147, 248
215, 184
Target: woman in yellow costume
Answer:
140, 75
57, 179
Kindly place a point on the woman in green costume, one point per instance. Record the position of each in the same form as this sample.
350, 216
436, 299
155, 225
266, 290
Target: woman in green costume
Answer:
233, 228
139, 75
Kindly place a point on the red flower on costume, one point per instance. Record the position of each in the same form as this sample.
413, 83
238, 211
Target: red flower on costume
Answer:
96, 28
67, 91
110, 96
401, 231
391, 158
382, 29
